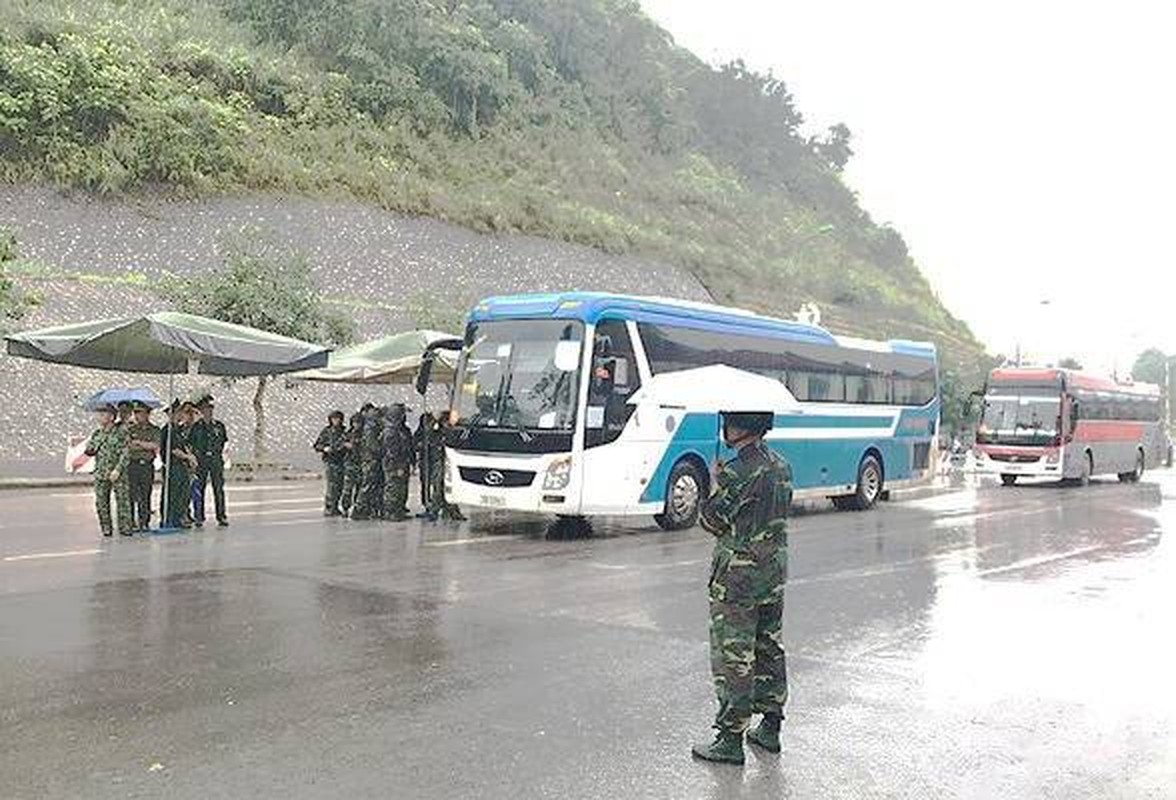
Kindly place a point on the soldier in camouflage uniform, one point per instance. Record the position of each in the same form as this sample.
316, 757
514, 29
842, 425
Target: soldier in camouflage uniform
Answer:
108, 447
399, 456
352, 468
371, 491
330, 445
438, 506
143, 441
747, 513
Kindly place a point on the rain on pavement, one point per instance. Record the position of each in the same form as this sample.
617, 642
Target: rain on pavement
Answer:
984, 643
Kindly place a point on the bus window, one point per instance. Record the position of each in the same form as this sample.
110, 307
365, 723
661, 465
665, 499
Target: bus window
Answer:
613, 380
867, 389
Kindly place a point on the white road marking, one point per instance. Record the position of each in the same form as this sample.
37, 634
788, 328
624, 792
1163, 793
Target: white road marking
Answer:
473, 540
62, 554
285, 501
1036, 561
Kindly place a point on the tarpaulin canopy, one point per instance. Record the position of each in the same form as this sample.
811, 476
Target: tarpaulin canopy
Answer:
394, 359
168, 342
113, 397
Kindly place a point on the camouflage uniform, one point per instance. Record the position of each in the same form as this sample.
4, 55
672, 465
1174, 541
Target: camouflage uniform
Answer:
747, 514
141, 472
437, 506
330, 444
399, 455
352, 467
371, 491
108, 446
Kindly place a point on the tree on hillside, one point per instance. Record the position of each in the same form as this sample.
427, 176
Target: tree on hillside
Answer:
264, 285
1149, 367
1069, 362
834, 148
13, 302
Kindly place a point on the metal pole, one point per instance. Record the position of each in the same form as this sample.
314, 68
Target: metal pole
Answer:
171, 435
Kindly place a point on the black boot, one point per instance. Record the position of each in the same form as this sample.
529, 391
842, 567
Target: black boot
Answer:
727, 748
767, 733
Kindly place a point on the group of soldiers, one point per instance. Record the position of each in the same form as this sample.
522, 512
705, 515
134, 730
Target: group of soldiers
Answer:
124, 449
368, 464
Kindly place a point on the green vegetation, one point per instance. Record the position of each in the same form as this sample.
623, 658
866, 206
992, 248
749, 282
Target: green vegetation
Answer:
578, 120
14, 303
266, 286
1151, 366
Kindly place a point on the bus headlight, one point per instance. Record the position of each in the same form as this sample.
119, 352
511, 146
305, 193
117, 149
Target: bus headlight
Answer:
558, 474
1051, 457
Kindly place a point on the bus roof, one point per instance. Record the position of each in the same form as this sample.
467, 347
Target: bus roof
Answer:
1072, 378
593, 306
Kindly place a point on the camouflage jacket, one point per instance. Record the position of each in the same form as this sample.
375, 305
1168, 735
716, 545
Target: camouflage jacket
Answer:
399, 449
372, 440
108, 446
749, 504
330, 444
747, 513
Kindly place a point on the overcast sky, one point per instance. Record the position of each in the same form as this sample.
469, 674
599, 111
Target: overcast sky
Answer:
1025, 150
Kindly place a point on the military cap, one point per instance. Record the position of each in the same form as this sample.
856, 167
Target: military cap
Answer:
754, 422
335, 414
204, 400
139, 405
366, 407
107, 408
125, 404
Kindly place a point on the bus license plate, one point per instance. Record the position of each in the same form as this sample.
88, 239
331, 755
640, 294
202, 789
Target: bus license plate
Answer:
493, 501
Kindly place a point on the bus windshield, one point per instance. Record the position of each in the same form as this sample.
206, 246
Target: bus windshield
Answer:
1014, 417
520, 374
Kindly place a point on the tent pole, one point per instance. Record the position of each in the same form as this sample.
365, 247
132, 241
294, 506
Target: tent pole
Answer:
171, 435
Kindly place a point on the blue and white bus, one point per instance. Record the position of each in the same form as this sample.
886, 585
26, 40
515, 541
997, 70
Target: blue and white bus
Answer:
548, 413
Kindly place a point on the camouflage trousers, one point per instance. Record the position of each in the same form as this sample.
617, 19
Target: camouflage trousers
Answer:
352, 478
395, 491
122, 495
746, 639
369, 499
333, 471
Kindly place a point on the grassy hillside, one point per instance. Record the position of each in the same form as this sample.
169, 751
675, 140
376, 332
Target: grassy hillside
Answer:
578, 120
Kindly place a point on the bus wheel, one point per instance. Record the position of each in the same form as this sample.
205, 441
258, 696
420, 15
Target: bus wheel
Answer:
683, 497
1135, 474
1008, 480
869, 484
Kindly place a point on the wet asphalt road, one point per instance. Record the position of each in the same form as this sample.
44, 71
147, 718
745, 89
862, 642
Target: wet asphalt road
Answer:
986, 643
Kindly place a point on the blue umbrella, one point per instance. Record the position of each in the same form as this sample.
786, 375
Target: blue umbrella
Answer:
115, 396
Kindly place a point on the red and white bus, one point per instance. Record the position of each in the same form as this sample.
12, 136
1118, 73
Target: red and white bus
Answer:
1067, 425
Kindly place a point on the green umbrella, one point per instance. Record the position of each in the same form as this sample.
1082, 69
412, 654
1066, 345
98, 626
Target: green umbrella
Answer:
168, 343
394, 359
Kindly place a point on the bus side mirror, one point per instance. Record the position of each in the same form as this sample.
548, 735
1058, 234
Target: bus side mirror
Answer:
1074, 416
425, 372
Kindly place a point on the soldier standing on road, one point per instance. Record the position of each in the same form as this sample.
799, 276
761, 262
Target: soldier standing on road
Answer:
330, 444
399, 455
352, 468
420, 438
747, 513
371, 489
143, 443
108, 447
209, 437
438, 506
179, 463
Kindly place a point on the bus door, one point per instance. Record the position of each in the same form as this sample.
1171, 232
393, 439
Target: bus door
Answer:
610, 461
